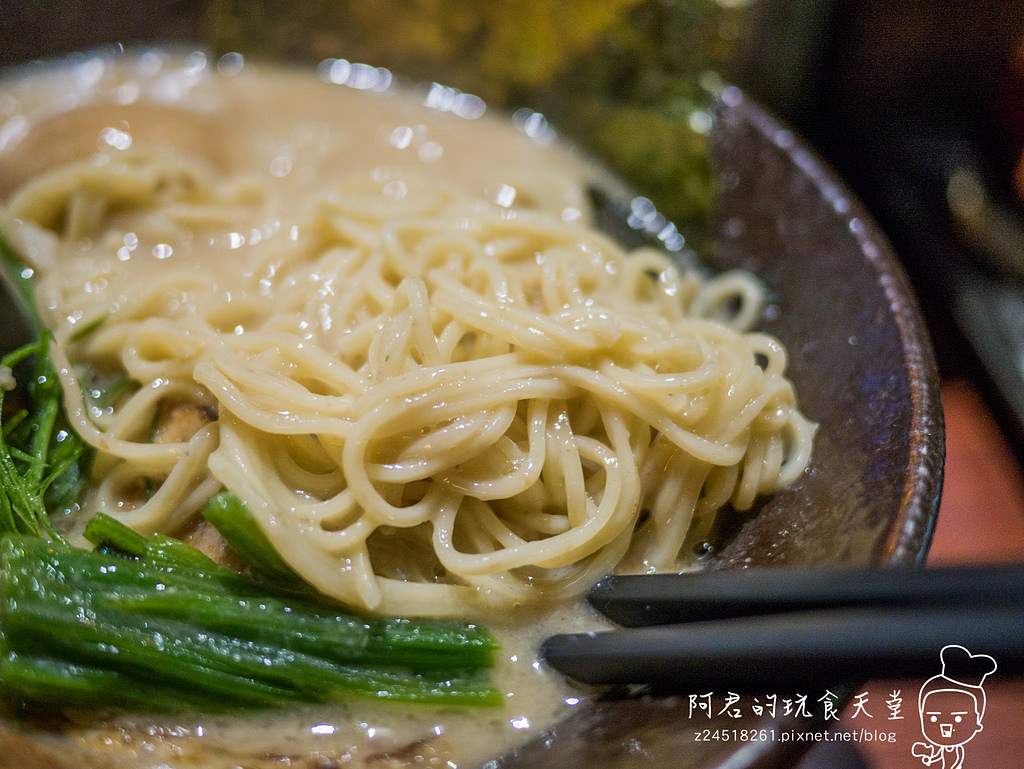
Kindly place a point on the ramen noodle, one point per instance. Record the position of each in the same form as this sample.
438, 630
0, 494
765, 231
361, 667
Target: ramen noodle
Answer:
385, 321
392, 332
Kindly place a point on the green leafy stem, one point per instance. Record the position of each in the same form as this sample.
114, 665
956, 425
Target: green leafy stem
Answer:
152, 623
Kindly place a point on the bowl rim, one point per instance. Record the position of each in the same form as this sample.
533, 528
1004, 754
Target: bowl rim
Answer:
910, 536
910, 533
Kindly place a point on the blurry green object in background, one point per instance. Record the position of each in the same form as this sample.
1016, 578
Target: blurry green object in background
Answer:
632, 81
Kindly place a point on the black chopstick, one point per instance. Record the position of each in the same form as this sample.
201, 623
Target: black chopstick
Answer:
658, 599
785, 652
758, 630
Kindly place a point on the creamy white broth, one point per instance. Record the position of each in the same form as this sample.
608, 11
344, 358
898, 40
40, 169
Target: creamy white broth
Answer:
286, 129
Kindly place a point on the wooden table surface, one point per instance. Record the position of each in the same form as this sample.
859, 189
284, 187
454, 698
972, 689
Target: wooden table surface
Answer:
981, 520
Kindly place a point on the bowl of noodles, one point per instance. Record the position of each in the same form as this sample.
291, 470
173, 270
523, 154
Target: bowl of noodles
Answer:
383, 347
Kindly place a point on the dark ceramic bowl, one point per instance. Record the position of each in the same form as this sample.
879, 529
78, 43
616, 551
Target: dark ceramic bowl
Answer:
864, 370
860, 356
863, 366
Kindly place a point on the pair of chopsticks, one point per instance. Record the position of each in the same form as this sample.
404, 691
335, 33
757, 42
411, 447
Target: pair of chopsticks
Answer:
768, 629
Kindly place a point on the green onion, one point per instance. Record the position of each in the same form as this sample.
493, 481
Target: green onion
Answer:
236, 525
165, 622
107, 531
44, 679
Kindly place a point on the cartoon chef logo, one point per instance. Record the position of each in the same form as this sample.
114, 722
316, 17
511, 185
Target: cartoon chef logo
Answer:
952, 705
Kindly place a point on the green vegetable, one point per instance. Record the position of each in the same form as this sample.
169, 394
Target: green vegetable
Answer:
175, 637
151, 623
20, 283
232, 519
43, 463
44, 679
243, 606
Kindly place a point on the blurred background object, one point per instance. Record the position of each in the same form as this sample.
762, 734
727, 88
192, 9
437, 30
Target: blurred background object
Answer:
919, 104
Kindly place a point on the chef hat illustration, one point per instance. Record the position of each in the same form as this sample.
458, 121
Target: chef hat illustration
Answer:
963, 671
